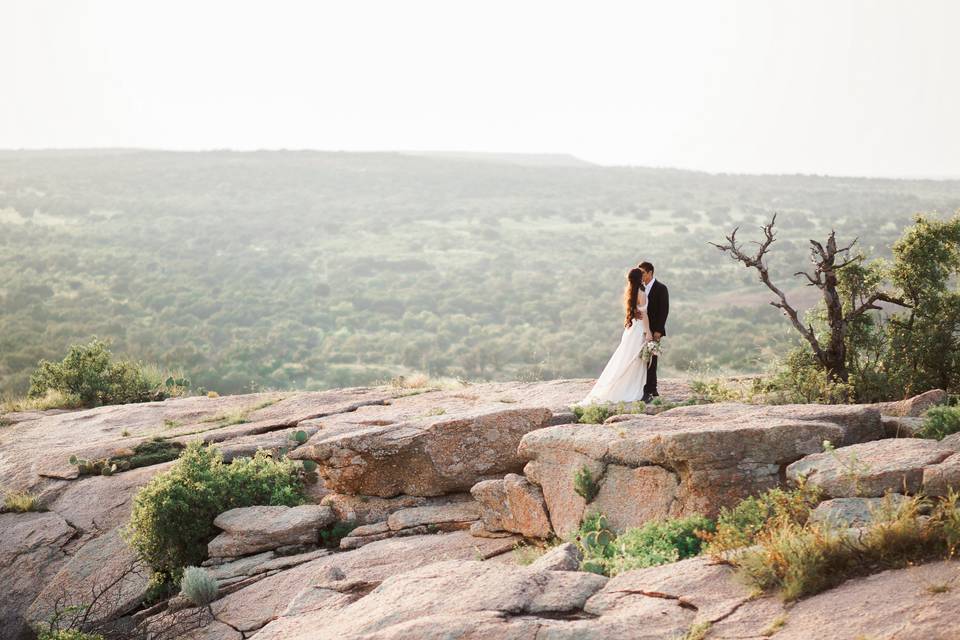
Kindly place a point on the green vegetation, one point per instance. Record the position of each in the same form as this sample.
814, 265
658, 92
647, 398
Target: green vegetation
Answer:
331, 536
21, 502
303, 270
853, 349
585, 484
67, 634
656, 542
940, 422
172, 518
89, 376
598, 413
155, 451
741, 525
804, 559
198, 586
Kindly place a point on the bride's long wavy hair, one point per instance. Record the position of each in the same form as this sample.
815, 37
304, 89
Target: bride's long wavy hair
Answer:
630, 294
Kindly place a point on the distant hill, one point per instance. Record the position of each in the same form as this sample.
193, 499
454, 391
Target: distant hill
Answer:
311, 269
524, 159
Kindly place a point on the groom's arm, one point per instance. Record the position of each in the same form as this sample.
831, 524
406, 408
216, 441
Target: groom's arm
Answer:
663, 309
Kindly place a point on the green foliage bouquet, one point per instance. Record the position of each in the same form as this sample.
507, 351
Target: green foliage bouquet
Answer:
650, 349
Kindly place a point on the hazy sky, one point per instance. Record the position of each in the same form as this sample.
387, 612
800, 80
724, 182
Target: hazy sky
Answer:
837, 87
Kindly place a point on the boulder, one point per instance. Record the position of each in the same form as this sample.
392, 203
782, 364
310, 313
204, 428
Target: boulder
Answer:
31, 554
952, 441
915, 406
901, 427
513, 504
427, 456
364, 510
249, 530
564, 557
939, 479
693, 459
855, 512
463, 512
437, 442
453, 514
870, 469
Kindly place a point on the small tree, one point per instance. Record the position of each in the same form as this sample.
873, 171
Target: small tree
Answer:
828, 260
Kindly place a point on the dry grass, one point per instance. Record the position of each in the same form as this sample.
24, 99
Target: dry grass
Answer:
801, 560
775, 625
415, 383
697, 631
21, 502
51, 400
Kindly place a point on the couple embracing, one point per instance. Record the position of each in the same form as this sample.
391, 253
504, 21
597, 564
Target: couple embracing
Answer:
631, 373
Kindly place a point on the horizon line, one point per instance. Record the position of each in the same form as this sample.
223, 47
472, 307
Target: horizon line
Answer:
587, 163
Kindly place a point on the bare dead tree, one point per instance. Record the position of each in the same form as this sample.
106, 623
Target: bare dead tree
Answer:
828, 261
103, 608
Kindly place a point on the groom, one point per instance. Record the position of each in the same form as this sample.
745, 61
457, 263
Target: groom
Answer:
658, 306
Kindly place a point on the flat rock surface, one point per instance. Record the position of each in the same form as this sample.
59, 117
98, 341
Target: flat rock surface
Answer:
687, 460
42, 447
252, 607
916, 603
105, 561
491, 600
31, 553
871, 469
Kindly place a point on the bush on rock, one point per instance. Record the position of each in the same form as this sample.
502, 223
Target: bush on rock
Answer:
804, 559
740, 526
656, 542
172, 517
89, 376
940, 422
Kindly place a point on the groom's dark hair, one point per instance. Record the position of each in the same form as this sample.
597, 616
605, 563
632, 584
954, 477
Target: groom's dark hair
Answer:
646, 266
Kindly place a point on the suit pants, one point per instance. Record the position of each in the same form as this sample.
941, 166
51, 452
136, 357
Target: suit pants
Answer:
651, 386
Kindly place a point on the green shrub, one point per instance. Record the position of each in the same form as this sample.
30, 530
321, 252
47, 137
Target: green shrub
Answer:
805, 559
739, 527
799, 379
90, 375
331, 537
145, 454
198, 586
67, 634
585, 484
655, 543
172, 517
597, 413
939, 422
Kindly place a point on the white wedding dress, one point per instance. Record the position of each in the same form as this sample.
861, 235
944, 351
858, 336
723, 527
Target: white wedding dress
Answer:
625, 375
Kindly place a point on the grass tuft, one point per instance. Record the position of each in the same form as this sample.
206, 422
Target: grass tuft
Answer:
21, 502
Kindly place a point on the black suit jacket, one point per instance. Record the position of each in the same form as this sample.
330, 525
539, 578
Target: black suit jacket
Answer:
658, 307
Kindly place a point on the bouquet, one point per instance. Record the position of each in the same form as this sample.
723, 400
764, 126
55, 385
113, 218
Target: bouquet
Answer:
650, 349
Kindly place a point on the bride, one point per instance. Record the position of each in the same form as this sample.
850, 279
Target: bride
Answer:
624, 376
